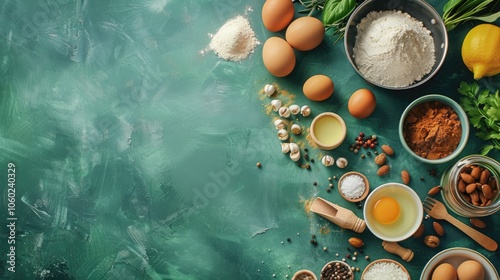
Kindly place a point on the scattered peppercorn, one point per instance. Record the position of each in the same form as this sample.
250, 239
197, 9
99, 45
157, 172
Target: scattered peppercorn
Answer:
259, 164
363, 156
306, 156
315, 183
422, 178
313, 236
308, 166
328, 190
312, 160
288, 239
306, 150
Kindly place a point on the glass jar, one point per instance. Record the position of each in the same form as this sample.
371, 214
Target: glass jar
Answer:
456, 201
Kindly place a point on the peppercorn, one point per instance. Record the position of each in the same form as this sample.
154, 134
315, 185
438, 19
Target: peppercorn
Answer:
306, 150
259, 164
315, 183
328, 190
288, 239
308, 166
306, 156
312, 160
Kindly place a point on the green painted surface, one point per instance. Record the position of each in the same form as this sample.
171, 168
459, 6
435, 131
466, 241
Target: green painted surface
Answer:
135, 155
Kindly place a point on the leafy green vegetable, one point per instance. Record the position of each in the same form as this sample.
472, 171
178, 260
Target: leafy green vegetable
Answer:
335, 11
483, 109
457, 11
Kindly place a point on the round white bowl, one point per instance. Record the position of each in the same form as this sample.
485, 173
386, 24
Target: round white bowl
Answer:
390, 189
455, 256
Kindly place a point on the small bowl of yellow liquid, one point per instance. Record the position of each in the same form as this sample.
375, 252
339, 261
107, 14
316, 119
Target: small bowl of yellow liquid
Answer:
393, 212
328, 130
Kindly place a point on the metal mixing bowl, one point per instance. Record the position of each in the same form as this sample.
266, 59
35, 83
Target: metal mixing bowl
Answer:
418, 9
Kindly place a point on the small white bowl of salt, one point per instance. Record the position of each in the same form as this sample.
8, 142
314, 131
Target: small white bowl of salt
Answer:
353, 186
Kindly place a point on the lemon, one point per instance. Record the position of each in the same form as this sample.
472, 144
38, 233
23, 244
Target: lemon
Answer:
481, 50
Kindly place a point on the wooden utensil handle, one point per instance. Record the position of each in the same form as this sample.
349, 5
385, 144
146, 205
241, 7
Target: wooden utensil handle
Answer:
479, 237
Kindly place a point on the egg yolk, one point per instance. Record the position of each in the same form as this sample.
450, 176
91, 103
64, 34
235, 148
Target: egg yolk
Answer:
386, 210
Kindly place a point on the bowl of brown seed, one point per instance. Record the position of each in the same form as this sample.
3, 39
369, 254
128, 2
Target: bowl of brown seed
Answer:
338, 269
304, 274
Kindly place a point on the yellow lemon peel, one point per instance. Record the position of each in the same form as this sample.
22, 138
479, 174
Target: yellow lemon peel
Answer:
481, 50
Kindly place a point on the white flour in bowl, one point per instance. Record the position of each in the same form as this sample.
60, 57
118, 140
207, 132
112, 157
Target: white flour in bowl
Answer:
393, 49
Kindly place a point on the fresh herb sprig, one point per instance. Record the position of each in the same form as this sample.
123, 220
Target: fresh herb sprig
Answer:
457, 11
483, 109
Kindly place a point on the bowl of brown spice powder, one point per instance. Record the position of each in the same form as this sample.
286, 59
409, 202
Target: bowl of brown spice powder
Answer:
434, 129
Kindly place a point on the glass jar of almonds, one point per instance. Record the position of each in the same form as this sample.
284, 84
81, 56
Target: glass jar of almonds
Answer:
470, 187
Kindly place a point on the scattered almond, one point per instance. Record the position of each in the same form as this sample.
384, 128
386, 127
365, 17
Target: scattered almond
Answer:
420, 231
380, 159
388, 150
405, 176
477, 223
438, 228
384, 169
476, 172
356, 242
435, 190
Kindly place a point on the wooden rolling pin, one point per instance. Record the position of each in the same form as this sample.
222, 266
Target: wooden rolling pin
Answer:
338, 215
393, 247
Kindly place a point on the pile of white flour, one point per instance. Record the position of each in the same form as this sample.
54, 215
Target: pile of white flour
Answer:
393, 49
235, 40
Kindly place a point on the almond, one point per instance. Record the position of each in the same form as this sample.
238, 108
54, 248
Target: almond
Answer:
461, 186
384, 169
477, 223
405, 176
388, 150
476, 172
467, 178
420, 231
470, 188
380, 159
435, 190
438, 228
485, 175
356, 242
487, 191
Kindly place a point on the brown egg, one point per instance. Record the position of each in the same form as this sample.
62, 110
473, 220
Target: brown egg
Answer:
318, 88
277, 14
278, 57
470, 270
444, 271
305, 33
362, 103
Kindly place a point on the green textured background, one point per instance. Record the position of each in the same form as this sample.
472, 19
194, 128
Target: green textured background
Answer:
136, 153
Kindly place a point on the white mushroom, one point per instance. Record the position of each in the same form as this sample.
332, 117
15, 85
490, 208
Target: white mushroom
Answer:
269, 90
279, 124
294, 148
296, 129
305, 110
276, 103
285, 147
295, 156
294, 109
283, 134
341, 162
284, 112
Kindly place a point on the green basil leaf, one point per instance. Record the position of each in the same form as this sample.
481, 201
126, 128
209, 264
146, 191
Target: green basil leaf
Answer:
450, 5
336, 10
488, 17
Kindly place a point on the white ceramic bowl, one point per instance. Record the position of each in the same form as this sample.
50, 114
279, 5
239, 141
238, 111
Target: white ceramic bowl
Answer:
411, 210
455, 256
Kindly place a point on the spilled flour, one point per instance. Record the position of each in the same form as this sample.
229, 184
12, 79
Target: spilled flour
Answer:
393, 49
235, 40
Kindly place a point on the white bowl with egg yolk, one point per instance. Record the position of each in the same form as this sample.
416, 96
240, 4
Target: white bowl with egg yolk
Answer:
393, 212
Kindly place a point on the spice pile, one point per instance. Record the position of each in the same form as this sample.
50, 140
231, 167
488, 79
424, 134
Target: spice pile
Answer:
432, 130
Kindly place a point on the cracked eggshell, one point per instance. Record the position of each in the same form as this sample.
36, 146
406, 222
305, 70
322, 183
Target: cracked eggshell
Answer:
294, 109
276, 104
296, 129
342, 162
285, 147
295, 156
282, 134
305, 110
294, 148
279, 124
269, 90
327, 160
284, 112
